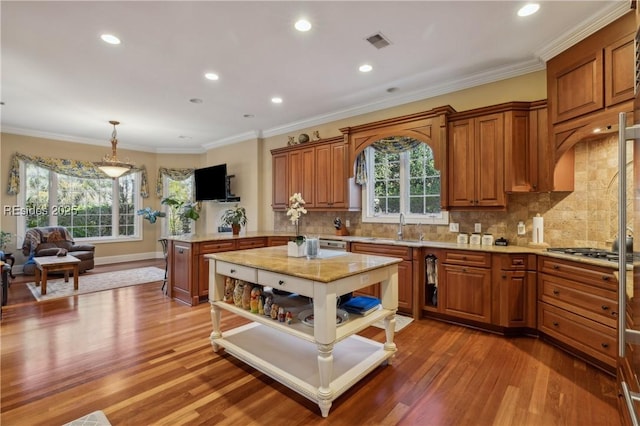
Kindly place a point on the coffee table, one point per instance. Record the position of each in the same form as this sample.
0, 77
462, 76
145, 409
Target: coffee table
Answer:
46, 264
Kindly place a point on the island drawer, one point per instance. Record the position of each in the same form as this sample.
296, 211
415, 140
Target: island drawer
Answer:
286, 283
236, 271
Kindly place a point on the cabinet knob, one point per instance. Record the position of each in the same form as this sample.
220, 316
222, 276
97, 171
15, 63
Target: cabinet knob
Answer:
556, 323
614, 314
556, 267
556, 292
605, 307
232, 271
180, 250
605, 277
504, 276
464, 270
604, 345
280, 282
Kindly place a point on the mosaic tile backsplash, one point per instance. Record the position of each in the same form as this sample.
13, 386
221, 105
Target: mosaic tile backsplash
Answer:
586, 217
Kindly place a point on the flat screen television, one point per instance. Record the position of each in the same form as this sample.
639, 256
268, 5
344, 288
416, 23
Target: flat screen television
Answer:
211, 183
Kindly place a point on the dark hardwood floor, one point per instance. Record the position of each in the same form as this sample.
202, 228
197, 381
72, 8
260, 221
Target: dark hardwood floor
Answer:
144, 359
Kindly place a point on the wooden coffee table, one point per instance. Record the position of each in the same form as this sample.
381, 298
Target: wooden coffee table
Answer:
46, 264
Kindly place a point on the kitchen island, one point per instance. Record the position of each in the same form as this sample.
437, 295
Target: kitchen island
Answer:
322, 361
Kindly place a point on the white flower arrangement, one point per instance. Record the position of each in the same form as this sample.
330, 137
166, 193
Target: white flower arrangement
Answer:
296, 207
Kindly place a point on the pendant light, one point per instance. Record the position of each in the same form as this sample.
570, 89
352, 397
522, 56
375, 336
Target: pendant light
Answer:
110, 164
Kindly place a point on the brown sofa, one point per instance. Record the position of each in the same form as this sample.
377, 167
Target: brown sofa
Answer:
47, 241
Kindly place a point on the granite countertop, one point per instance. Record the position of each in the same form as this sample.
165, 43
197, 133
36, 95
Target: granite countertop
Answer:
334, 266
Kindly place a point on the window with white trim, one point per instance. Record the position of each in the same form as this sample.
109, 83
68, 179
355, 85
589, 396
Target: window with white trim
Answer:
181, 190
402, 182
85, 206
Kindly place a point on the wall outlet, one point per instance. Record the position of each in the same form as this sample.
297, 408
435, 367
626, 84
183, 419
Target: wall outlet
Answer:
454, 227
347, 223
477, 227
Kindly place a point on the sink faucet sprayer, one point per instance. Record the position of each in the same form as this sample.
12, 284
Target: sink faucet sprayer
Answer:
400, 224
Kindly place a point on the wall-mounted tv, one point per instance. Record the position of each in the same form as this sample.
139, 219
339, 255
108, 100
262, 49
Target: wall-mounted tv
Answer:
211, 183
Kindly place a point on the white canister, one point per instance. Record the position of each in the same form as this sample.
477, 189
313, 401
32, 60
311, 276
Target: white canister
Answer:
463, 239
487, 240
475, 239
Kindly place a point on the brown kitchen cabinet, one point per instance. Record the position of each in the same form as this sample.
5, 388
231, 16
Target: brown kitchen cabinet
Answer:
405, 272
464, 285
320, 171
180, 271
578, 307
278, 241
594, 74
476, 162
514, 290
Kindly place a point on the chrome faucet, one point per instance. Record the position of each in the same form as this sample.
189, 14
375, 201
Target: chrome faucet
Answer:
400, 224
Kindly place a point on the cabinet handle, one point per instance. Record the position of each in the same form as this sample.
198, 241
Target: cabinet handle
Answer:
604, 345
504, 276
280, 282
614, 314
180, 250
605, 307
605, 277
556, 323
556, 292
556, 267
471, 201
464, 270
518, 262
232, 271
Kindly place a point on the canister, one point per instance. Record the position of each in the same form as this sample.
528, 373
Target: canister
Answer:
463, 239
475, 239
487, 240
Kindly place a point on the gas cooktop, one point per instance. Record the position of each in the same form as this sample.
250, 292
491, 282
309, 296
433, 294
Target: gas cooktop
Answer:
594, 253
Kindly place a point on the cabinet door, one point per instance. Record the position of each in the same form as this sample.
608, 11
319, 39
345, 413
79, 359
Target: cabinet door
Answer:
280, 189
461, 163
339, 178
405, 287
465, 292
323, 176
489, 161
619, 71
302, 174
203, 277
517, 299
520, 152
181, 267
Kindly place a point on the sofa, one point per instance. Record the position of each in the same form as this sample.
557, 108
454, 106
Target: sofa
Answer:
50, 241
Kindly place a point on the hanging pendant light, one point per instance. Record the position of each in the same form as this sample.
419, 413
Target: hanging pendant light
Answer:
110, 164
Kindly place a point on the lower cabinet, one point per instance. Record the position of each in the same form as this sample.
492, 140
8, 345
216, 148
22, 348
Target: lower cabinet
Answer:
514, 290
405, 272
578, 307
464, 286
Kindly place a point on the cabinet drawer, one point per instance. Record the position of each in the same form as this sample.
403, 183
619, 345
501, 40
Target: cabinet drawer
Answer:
592, 302
517, 262
467, 258
237, 271
217, 246
585, 273
382, 250
286, 283
248, 243
587, 336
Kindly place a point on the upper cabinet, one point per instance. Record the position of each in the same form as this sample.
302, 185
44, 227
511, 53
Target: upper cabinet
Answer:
320, 171
589, 84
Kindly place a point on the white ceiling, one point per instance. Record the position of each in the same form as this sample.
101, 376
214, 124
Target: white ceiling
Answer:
60, 81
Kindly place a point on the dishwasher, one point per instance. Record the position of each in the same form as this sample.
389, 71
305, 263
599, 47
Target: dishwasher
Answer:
335, 245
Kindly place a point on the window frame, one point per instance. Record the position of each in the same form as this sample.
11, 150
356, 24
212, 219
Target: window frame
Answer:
21, 224
368, 216
166, 209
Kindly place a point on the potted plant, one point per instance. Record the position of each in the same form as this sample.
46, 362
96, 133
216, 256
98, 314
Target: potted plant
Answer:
235, 217
182, 211
5, 238
150, 215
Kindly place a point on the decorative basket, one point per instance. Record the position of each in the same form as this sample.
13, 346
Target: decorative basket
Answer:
295, 250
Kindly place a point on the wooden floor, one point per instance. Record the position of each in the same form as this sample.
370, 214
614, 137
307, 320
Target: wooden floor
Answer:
144, 359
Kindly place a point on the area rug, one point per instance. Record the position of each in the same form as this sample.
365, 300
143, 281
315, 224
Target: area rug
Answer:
91, 283
97, 418
401, 322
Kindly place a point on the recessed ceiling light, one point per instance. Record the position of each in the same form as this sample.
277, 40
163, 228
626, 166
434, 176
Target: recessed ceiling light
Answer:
365, 68
528, 9
276, 100
195, 100
211, 76
109, 38
392, 89
248, 115
303, 25
184, 137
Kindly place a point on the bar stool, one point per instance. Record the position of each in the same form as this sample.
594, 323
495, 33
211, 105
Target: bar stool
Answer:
165, 252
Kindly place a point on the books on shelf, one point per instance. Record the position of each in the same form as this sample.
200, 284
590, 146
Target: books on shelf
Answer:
361, 305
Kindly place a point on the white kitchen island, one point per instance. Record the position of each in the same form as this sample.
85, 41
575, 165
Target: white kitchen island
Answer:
319, 362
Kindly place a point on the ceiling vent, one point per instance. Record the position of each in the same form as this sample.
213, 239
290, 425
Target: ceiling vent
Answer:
378, 41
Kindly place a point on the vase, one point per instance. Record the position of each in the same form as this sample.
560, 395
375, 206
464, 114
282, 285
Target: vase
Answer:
235, 229
295, 250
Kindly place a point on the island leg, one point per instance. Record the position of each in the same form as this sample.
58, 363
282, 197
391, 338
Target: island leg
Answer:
215, 321
389, 331
325, 368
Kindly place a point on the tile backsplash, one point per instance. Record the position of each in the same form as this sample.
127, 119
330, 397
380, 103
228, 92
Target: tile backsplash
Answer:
585, 217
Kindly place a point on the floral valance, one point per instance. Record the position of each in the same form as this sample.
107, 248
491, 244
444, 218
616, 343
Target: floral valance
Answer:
75, 168
175, 174
392, 145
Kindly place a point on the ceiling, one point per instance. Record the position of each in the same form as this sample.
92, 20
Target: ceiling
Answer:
61, 81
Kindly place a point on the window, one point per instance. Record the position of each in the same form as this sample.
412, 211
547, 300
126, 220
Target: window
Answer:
85, 206
403, 182
180, 190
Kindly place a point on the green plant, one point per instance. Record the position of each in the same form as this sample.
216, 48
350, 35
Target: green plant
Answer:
5, 238
235, 216
184, 209
150, 215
